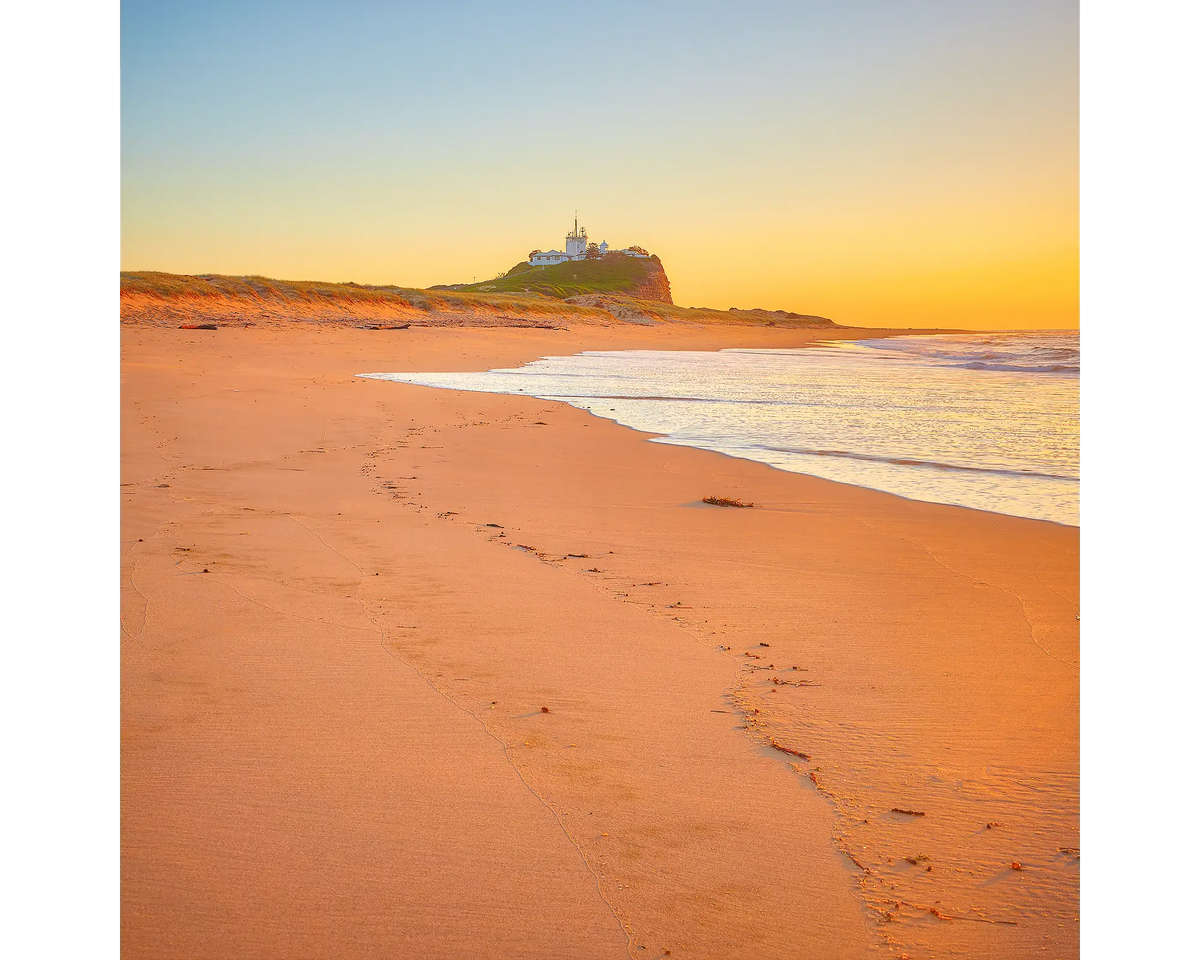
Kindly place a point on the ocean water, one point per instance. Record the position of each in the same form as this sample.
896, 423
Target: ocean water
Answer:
989, 421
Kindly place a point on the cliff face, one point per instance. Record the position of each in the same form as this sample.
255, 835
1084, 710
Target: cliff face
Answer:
654, 285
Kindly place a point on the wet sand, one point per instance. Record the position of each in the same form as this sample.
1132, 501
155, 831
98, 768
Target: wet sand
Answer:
478, 675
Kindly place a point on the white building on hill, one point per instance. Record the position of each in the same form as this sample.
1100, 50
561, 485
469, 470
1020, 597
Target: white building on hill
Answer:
577, 242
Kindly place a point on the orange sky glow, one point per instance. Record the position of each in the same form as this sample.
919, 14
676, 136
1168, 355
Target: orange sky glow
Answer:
911, 164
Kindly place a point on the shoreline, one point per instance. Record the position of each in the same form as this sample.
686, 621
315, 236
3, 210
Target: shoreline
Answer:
569, 393
359, 528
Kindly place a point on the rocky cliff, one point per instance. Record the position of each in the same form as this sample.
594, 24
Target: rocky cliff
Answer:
654, 285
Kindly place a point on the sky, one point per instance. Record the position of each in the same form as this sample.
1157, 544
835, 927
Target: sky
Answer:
902, 162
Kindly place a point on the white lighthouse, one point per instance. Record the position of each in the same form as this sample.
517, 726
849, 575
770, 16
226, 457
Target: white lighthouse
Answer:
576, 248
577, 241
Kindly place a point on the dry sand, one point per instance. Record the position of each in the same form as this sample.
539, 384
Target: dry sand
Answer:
334, 742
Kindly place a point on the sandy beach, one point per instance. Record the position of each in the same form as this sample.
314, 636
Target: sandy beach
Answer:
410, 672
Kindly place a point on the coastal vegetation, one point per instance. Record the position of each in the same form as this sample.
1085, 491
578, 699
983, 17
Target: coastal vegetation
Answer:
165, 297
613, 273
613, 288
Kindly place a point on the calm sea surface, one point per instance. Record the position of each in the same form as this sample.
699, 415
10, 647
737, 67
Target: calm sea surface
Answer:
986, 421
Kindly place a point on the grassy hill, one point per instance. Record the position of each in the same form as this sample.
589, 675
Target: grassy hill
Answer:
614, 289
614, 273
165, 298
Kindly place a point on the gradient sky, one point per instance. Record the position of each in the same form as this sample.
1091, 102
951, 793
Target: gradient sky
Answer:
878, 163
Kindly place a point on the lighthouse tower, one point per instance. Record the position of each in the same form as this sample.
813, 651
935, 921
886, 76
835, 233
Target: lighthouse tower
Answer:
577, 241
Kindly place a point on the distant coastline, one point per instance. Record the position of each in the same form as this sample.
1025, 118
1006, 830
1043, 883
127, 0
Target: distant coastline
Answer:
597, 298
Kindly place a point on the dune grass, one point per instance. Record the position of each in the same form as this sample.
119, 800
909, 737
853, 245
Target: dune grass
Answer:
175, 287
583, 290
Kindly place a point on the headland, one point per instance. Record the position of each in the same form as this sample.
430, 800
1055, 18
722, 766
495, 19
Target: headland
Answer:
575, 293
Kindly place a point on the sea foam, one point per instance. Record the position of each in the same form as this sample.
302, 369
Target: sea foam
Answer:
989, 421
